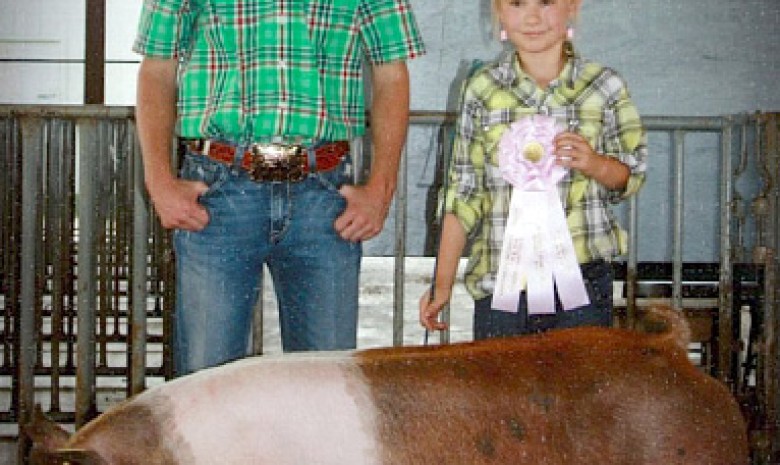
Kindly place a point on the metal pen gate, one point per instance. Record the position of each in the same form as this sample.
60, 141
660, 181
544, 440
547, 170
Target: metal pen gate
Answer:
86, 277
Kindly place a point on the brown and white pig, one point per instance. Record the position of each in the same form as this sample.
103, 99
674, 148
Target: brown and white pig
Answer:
579, 396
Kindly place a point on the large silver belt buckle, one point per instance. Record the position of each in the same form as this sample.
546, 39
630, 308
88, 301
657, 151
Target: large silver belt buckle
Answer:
277, 163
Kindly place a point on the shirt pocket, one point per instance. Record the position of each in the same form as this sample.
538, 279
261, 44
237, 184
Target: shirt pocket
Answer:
587, 121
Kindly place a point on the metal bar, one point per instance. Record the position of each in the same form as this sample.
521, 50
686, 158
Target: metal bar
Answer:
679, 213
726, 353
258, 317
139, 276
632, 272
88, 163
32, 130
772, 268
401, 197
67, 111
651, 123
772, 343
446, 138
95, 52
56, 236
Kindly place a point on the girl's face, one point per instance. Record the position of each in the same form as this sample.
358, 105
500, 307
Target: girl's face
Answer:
535, 26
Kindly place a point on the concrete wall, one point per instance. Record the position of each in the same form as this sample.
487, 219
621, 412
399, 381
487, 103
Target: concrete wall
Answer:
679, 57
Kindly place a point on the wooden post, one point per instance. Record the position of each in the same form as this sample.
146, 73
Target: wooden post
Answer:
95, 52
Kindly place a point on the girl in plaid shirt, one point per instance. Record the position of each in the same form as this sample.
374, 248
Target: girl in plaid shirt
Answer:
604, 150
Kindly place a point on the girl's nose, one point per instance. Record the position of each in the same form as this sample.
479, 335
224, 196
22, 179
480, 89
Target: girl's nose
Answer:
533, 13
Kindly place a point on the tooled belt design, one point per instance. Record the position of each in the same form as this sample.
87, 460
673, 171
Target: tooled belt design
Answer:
273, 162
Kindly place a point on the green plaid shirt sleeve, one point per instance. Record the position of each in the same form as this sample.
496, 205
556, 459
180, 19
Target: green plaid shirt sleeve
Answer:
466, 194
389, 30
160, 31
626, 140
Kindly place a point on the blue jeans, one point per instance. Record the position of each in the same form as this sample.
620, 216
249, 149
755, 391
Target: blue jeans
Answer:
289, 227
598, 277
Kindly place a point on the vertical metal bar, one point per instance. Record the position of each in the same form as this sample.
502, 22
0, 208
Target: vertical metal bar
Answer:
444, 158
100, 205
8, 218
771, 375
258, 317
772, 268
89, 155
32, 129
679, 212
139, 271
57, 237
401, 196
726, 353
95, 52
632, 272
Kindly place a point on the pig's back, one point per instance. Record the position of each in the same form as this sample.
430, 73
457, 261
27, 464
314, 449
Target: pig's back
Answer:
286, 411
587, 395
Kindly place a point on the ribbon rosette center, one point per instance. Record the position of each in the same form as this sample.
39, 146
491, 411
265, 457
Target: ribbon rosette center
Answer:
537, 254
533, 151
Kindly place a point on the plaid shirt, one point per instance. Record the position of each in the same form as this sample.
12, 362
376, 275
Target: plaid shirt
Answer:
594, 101
251, 70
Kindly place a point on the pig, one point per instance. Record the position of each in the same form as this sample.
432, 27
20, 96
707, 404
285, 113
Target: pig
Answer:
575, 396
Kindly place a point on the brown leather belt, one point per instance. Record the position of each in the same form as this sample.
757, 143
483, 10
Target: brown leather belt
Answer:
273, 162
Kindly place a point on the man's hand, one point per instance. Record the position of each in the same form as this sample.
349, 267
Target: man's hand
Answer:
365, 214
367, 205
177, 204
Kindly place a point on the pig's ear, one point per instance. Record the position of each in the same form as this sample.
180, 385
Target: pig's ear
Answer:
45, 433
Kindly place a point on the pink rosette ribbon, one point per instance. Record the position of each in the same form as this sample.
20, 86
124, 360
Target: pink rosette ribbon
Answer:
537, 254
525, 154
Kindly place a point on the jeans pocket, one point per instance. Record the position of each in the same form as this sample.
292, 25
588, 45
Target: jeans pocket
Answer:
210, 172
340, 175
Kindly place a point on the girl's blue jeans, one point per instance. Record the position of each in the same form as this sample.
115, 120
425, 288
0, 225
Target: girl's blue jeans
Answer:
598, 277
288, 227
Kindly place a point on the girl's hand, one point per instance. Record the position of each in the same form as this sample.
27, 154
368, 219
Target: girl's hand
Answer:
430, 309
571, 150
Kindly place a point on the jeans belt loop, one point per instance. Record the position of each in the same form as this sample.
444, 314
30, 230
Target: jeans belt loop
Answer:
312, 157
238, 159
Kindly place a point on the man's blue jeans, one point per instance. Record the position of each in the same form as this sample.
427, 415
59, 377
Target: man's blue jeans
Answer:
289, 227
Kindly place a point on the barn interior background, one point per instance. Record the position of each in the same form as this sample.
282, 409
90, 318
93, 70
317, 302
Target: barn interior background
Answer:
81, 249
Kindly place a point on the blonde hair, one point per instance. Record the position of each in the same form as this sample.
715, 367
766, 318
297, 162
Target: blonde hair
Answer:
495, 25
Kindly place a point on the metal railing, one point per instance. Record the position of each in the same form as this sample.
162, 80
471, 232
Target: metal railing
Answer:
86, 278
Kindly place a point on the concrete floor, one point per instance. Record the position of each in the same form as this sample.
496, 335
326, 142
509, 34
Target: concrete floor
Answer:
376, 306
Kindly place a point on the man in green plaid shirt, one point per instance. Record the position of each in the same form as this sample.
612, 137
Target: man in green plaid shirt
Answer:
267, 94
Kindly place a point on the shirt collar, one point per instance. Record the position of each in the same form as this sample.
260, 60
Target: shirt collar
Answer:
509, 73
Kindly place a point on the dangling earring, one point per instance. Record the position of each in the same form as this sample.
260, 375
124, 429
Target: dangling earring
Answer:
503, 36
570, 31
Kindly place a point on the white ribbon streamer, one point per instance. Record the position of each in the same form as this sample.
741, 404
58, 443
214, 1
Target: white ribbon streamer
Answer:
537, 253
